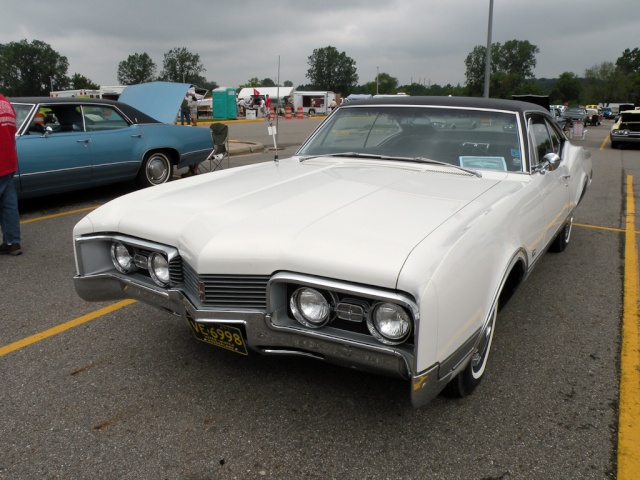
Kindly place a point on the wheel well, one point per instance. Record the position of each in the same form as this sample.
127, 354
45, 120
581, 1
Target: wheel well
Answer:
170, 152
511, 284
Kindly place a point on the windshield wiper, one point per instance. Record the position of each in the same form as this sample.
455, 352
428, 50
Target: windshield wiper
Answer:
348, 154
388, 157
438, 162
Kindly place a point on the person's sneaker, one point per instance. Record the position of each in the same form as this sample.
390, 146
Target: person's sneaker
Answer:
13, 249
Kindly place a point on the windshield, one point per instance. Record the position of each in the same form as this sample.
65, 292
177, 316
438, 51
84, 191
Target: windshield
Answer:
476, 139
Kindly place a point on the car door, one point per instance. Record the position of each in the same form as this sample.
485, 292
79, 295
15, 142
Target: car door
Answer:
54, 153
117, 147
553, 183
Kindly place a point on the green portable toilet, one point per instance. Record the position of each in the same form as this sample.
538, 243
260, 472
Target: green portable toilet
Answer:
224, 104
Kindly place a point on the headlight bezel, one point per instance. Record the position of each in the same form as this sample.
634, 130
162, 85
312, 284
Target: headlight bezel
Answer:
164, 279
301, 314
118, 246
377, 330
139, 252
351, 304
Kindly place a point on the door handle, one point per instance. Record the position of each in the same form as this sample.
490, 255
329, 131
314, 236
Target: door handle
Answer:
86, 140
138, 135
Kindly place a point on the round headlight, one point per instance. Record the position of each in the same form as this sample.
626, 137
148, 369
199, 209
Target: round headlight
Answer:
389, 323
122, 258
158, 269
310, 307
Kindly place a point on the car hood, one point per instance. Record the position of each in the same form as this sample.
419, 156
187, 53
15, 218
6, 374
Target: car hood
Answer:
350, 220
160, 100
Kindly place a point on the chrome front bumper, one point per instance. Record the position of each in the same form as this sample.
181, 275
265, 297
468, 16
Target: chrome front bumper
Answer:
265, 337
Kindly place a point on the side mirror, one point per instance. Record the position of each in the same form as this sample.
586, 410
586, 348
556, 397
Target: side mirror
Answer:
550, 162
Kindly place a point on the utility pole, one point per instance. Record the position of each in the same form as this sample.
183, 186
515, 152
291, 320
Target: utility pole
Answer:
487, 61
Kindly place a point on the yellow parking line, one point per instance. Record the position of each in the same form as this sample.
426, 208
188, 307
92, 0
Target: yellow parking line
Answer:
629, 418
62, 327
46, 217
596, 227
604, 142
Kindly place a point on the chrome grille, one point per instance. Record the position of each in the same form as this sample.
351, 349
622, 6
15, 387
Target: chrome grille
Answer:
227, 291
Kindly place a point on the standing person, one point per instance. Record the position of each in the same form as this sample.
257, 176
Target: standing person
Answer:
332, 105
9, 216
193, 110
184, 111
263, 108
242, 107
268, 106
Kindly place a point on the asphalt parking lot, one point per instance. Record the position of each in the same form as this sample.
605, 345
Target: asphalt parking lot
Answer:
121, 390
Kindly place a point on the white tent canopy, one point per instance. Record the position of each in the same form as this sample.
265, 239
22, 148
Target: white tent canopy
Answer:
273, 92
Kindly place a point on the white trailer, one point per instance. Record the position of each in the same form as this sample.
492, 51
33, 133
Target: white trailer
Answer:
109, 92
313, 103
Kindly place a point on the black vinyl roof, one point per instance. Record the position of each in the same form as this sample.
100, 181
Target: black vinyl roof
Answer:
133, 114
460, 102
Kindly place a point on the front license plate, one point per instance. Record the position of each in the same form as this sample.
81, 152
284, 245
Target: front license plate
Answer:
223, 336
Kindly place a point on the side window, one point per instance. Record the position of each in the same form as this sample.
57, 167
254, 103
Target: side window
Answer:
99, 118
540, 140
44, 117
556, 141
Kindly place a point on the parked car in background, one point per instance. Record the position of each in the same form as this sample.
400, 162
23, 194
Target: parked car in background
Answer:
388, 243
593, 116
607, 113
626, 129
565, 123
70, 143
576, 115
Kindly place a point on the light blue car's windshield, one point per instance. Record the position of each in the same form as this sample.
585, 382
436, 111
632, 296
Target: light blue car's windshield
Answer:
476, 139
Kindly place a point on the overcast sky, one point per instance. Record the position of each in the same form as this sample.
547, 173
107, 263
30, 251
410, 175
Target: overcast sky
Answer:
423, 41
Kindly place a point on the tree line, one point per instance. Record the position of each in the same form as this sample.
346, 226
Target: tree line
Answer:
35, 68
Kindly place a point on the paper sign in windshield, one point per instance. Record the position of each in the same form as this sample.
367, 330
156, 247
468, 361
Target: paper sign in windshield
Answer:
484, 163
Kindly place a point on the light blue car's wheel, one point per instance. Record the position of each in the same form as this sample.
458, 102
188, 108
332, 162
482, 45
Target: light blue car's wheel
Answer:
156, 169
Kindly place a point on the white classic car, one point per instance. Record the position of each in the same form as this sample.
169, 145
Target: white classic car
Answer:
388, 243
626, 129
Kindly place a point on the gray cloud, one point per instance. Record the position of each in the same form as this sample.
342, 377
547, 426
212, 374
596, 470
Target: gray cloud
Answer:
425, 41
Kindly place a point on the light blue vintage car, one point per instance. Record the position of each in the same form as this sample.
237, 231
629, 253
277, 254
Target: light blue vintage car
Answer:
70, 143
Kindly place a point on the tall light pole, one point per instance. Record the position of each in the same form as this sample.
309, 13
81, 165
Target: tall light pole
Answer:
487, 60
377, 73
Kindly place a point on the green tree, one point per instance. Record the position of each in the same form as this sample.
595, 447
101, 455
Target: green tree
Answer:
253, 82
78, 81
417, 89
517, 58
601, 81
629, 61
181, 66
267, 82
209, 85
31, 68
385, 83
628, 76
137, 68
288, 83
332, 70
568, 89
512, 66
